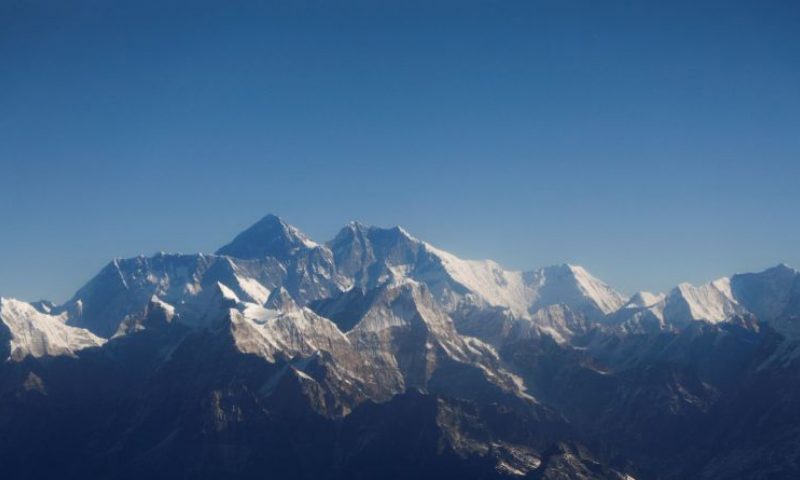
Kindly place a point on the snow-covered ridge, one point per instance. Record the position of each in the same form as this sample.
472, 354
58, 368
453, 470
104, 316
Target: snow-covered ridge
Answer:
39, 334
527, 292
126, 287
488, 281
772, 294
274, 266
713, 301
372, 256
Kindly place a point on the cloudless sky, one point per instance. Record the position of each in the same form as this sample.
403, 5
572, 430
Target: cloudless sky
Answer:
651, 142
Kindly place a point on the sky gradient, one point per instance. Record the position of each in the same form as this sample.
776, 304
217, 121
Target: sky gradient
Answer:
651, 142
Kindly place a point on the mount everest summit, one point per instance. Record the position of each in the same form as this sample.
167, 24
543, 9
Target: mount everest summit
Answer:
378, 355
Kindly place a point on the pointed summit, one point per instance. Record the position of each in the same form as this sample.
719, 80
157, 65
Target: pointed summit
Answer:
644, 299
573, 286
270, 237
357, 249
781, 268
771, 294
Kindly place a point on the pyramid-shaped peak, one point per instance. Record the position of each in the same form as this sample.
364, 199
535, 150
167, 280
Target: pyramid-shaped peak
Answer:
356, 225
574, 286
781, 268
353, 230
269, 237
643, 299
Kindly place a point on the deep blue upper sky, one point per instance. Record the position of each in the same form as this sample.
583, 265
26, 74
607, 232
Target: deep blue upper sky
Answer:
651, 142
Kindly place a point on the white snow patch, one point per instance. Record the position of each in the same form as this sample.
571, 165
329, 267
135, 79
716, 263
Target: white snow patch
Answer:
713, 301
257, 292
38, 334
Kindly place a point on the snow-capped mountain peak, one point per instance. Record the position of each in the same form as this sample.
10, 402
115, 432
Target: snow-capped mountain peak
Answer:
572, 285
712, 301
606, 298
269, 237
771, 294
372, 256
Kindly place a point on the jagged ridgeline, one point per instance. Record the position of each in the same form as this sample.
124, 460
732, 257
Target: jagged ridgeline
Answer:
377, 355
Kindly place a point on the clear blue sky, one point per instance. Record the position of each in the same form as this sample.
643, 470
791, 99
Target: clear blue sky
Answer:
651, 142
